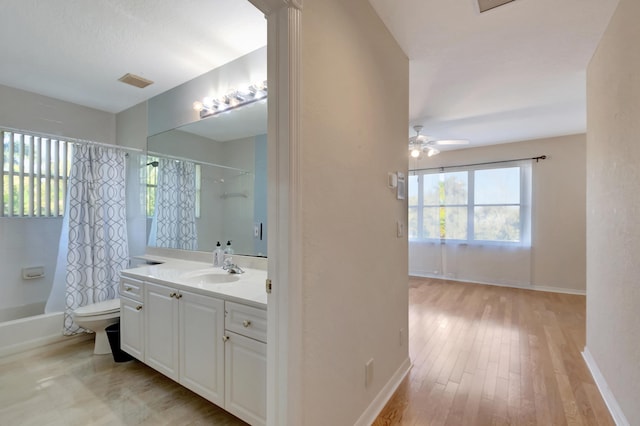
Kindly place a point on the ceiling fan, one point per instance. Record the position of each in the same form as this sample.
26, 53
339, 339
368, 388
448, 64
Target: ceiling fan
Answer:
422, 143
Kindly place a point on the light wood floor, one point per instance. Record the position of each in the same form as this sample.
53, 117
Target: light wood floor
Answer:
481, 355
486, 355
68, 385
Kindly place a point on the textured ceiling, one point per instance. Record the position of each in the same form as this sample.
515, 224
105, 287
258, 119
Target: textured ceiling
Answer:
512, 73
76, 50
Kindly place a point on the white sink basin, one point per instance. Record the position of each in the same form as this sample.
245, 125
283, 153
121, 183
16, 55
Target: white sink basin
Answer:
209, 276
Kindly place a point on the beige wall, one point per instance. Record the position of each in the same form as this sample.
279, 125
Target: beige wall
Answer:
29, 111
558, 204
613, 208
354, 120
131, 127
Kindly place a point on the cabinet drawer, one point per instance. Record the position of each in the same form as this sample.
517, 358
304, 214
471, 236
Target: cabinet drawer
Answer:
246, 321
131, 288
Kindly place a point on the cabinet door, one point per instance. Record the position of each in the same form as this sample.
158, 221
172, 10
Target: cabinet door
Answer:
246, 378
161, 329
132, 327
201, 345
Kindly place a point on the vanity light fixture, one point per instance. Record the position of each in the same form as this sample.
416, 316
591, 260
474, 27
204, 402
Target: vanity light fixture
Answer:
234, 99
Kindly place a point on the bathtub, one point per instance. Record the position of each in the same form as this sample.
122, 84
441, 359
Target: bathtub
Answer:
26, 333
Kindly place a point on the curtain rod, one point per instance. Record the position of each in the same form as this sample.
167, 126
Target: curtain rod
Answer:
538, 158
202, 163
69, 140
106, 145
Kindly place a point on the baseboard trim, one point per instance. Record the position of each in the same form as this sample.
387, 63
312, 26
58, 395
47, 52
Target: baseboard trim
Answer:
58, 339
605, 391
548, 289
385, 394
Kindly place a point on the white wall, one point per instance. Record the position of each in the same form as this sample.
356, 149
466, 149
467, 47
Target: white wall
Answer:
131, 132
354, 116
558, 222
613, 209
28, 111
34, 242
131, 127
186, 145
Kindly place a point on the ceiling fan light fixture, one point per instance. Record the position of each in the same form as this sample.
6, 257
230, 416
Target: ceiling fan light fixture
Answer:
432, 151
421, 143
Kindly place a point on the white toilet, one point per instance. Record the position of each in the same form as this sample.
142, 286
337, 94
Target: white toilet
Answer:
96, 317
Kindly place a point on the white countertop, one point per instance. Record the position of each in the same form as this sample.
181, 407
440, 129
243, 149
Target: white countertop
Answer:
249, 289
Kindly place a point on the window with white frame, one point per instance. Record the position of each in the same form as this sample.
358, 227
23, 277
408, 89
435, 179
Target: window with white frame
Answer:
34, 174
471, 205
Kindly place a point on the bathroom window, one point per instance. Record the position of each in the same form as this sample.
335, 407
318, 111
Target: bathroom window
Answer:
473, 205
34, 175
152, 184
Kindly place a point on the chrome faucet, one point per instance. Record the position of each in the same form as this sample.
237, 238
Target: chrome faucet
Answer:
232, 268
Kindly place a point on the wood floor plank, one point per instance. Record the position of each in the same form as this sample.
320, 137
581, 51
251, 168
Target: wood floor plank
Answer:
488, 355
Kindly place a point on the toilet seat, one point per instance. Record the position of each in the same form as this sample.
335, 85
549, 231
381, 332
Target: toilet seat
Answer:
100, 308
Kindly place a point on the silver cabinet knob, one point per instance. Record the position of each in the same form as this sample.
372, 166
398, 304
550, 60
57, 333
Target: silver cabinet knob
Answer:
128, 288
178, 296
139, 307
246, 323
225, 338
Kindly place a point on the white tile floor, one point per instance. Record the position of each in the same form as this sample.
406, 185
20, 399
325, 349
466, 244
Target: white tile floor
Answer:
68, 385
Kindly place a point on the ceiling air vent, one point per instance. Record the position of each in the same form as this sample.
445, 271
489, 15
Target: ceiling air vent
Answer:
135, 80
490, 4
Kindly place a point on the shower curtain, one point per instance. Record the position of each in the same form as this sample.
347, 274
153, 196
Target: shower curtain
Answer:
93, 243
174, 220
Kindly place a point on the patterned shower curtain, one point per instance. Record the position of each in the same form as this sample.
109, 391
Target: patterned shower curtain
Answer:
97, 228
174, 221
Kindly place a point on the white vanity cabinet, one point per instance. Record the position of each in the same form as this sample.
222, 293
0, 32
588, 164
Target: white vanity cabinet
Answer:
209, 341
132, 317
201, 345
246, 362
183, 339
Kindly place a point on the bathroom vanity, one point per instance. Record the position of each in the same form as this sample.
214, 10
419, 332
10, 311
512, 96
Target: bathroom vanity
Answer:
202, 327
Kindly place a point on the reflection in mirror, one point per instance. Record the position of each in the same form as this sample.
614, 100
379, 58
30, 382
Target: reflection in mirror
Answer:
202, 190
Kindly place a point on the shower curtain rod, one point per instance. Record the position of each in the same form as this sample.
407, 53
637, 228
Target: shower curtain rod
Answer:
538, 158
202, 163
70, 140
106, 145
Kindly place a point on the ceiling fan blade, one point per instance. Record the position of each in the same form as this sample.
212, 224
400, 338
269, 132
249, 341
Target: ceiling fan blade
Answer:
451, 142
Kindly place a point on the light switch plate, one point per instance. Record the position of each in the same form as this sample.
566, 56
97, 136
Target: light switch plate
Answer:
401, 186
368, 372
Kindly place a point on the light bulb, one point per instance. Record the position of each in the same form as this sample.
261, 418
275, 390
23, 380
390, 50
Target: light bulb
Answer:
208, 102
197, 105
432, 152
415, 153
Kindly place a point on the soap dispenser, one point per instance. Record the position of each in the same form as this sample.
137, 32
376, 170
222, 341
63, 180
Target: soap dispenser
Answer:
228, 252
218, 255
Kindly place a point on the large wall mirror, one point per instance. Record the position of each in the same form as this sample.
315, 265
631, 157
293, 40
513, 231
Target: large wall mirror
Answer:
207, 179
